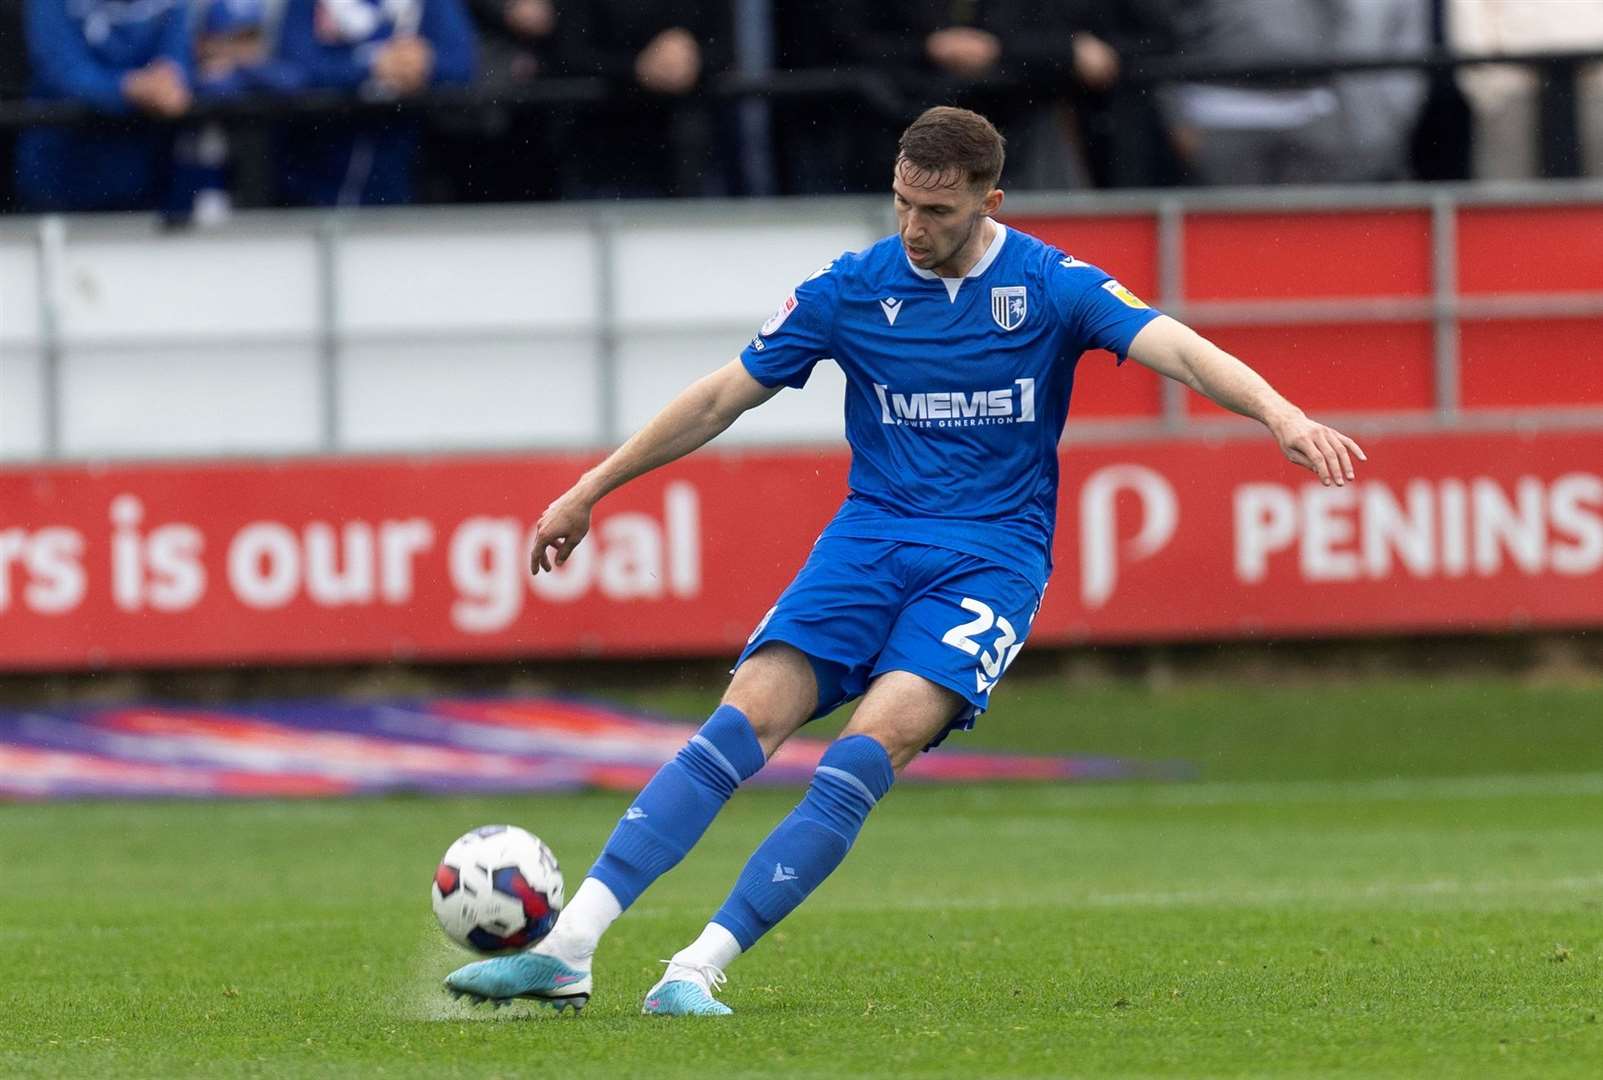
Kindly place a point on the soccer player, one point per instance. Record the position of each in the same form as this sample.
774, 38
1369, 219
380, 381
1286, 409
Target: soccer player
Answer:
959, 338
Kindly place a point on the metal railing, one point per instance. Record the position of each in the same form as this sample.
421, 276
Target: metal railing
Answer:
897, 99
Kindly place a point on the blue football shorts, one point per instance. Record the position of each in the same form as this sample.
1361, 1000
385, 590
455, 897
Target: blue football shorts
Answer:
860, 608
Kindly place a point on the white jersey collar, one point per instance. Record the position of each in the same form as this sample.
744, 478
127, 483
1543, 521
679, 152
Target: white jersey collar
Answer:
954, 283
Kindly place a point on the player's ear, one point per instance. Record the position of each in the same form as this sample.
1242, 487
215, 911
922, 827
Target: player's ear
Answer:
992, 202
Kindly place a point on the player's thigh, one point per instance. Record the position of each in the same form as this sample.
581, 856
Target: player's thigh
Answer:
904, 713
837, 612
964, 628
776, 690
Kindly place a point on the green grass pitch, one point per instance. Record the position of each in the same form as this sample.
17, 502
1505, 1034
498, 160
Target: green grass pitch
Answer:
1395, 879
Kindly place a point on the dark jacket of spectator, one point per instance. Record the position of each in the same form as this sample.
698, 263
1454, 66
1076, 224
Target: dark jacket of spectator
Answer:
516, 39
378, 49
653, 143
13, 86
83, 52
13, 51
912, 38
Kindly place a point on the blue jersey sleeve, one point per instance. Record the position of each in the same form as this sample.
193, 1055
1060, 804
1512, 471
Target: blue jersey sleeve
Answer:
63, 64
798, 335
1099, 312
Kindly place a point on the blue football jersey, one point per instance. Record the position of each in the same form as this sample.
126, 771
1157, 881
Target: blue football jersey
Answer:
957, 388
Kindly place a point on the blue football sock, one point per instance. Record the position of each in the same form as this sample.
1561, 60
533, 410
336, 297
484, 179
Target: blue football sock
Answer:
670, 814
853, 775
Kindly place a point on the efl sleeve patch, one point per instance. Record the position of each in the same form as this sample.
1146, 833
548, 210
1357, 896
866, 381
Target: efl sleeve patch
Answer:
777, 319
1125, 296
796, 336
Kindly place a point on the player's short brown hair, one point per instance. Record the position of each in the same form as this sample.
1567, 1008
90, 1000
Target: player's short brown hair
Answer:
945, 138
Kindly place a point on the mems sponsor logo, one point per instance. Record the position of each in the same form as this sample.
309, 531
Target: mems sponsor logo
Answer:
958, 408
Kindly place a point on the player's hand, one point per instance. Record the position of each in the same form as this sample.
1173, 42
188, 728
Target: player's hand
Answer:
1320, 449
564, 523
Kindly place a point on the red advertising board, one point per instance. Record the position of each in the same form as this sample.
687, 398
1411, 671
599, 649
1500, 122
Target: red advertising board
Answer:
370, 559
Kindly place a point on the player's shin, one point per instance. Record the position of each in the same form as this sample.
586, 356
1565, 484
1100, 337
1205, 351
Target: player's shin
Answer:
853, 775
660, 827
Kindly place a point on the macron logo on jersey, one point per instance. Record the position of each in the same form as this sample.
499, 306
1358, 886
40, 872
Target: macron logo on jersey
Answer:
959, 408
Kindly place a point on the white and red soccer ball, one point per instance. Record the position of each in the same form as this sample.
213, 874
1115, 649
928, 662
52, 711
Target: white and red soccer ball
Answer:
497, 888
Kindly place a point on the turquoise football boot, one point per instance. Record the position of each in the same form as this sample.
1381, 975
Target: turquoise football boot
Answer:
686, 991
541, 978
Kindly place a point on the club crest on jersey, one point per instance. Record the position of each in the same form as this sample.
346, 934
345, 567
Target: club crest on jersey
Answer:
1008, 306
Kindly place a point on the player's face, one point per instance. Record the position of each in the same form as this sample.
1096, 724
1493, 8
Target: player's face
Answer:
938, 217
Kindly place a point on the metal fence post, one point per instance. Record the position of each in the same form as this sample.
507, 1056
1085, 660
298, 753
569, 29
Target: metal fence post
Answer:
754, 56
1444, 289
328, 333
1171, 296
608, 413
52, 241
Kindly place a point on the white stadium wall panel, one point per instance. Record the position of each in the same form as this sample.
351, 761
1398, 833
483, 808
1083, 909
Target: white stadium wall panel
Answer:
448, 393
22, 433
755, 266
21, 364
19, 290
652, 368
166, 400
147, 287
467, 277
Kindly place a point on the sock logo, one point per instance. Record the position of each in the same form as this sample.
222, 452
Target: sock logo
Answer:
784, 873
634, 813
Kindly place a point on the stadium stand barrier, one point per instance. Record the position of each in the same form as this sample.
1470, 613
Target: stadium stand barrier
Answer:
383, 400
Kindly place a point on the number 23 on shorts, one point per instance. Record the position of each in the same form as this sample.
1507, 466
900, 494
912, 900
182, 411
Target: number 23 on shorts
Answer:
996, 659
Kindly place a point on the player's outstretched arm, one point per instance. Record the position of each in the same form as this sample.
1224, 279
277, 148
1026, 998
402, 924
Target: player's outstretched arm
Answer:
1172, 348
700, 412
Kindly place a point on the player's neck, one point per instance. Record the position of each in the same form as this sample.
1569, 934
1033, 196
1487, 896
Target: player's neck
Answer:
970, 253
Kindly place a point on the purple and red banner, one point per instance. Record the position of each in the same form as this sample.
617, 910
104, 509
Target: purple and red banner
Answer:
321, 561
436, 746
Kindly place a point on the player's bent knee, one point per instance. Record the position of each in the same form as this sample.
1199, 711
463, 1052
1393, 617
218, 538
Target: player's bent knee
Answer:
904, 713
776, 689
904, 736
900, 744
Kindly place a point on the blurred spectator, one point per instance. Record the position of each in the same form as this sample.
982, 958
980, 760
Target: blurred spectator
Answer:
382, 49
1506, 98
515, 38
211, 162
1126, 140
925, 44
499, 153
13, 86
1299, 130
816, 154
1253, 133
661, 142
1101, 131
1380, 109
233, 55
1441, 144
13, 51
119, 58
